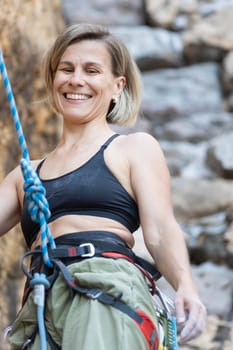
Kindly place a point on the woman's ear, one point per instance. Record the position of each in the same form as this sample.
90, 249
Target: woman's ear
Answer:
120, 84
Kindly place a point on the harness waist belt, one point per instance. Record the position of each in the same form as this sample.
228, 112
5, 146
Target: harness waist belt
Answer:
98, 248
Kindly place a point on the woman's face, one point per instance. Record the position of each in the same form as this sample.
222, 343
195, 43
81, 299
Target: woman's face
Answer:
84, 84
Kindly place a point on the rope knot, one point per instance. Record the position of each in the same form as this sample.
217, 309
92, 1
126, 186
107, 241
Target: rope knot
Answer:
34, 192
38, 206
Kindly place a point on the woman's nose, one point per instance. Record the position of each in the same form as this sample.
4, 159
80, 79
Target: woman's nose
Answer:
77, 78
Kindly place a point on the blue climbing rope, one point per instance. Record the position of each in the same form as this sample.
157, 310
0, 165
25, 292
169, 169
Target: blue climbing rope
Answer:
34, 190
39, 283
38, 207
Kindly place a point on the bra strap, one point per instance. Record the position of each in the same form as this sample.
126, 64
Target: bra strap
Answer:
39, 166
111, 138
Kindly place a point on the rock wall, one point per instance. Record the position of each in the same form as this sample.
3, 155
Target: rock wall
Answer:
185, 52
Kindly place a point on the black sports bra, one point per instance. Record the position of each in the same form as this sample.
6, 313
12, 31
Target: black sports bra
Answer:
90, 189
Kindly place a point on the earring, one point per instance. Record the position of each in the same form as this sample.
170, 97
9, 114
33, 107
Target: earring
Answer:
115, 100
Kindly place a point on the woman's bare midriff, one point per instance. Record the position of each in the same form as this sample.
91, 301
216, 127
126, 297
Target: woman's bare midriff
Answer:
79, 223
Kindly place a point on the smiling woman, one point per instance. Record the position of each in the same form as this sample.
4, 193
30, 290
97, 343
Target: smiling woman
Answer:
116, 55
84, 87
100, 187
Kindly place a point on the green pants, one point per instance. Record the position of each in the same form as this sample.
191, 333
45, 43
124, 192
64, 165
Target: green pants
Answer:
80, 323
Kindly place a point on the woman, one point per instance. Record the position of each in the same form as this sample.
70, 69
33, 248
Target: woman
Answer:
100, 186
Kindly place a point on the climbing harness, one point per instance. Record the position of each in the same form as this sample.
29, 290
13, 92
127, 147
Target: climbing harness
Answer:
52, 258
95, 249
162, 339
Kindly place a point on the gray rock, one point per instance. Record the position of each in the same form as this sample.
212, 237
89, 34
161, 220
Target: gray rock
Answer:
205, 238
210, 38
166, 14
185, 159
106, 12
200, 197
196, 128
152, 48
206, 7
215, 284
172, 93
220, 155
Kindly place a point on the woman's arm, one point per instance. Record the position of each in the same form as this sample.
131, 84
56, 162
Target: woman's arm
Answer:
162, 235
9, 201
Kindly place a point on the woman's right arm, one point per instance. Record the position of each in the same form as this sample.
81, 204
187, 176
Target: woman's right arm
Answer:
9, 201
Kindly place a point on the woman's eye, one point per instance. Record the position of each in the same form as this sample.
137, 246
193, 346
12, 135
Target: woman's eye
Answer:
92, 71
66, 69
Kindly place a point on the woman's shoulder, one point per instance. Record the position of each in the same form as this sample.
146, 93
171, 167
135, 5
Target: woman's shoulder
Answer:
15, 176
141, 148
17, 171
141, 142
139, 136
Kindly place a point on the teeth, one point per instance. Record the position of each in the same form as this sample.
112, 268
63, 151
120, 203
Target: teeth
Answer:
77, 97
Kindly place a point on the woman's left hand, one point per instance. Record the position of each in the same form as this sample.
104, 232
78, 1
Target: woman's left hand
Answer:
190, 313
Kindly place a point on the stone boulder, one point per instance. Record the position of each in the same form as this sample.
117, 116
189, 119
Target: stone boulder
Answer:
152, 48
173, 93
196, 128
194, 198
220, 156
210, 38
176, 14
104, 12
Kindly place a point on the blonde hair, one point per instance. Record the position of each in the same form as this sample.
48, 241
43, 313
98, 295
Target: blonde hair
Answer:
125, 110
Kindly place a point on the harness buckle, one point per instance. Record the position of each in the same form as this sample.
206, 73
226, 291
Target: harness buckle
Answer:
91, 250
94, 293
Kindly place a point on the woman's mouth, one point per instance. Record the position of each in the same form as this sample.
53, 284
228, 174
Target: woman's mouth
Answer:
76, 97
